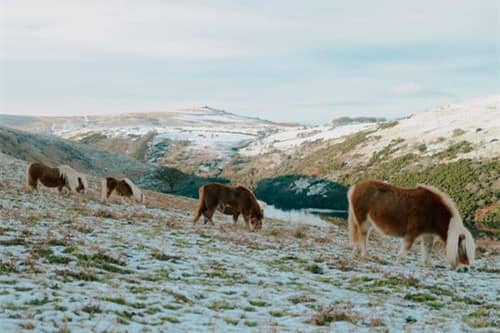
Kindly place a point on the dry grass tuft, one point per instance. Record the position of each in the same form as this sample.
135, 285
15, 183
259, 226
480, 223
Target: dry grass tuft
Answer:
336, 312
104, 213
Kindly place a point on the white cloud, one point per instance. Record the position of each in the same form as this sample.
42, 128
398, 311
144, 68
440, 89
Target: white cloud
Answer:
264, 56
34, 30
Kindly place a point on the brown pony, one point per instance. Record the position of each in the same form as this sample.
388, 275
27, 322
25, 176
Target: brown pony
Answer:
229, 200
409, 213
123, 187
61, 177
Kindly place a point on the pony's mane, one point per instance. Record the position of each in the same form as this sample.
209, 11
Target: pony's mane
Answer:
254, 198
455, 229
70, 176
136, 192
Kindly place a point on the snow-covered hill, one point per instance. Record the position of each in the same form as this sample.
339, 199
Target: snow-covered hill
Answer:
205, 136
294, 137
475, 121
208, 138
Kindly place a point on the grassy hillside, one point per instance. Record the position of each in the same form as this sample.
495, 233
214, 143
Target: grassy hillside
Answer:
75, 264
474, 184
54, 151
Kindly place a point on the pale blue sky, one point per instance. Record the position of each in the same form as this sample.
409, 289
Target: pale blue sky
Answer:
301, 61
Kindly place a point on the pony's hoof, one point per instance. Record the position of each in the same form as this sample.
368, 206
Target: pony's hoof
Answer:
463, 270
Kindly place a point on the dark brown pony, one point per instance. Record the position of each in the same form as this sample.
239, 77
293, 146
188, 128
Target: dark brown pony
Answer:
423, 212
61, 177
123, 187
229, 200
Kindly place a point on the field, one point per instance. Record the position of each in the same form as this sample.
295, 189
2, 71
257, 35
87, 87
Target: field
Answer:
70, 263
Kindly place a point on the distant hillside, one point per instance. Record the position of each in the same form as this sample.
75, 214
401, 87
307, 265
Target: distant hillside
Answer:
454, 147
207, 137
341, 121
54, 151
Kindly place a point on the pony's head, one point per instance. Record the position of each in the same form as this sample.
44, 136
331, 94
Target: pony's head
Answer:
82, 184
256, 218
75, 181
460, 246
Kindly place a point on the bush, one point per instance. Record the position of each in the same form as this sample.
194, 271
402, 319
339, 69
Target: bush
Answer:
284, 192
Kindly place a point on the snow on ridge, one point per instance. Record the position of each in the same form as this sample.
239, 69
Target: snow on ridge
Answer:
472, 121
295, 136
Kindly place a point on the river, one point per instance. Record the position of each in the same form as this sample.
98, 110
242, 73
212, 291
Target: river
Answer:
312, 216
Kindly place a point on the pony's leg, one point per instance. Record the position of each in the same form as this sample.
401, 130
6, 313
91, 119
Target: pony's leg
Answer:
247, 221
33, 188
235, 218
208, 215
363, 243
197, 216
427, 242
405, 246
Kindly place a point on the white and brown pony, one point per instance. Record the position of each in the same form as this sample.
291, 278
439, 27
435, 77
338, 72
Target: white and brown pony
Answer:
423, 212
61, 177
123, 187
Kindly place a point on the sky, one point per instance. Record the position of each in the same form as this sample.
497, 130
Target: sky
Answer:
300, 61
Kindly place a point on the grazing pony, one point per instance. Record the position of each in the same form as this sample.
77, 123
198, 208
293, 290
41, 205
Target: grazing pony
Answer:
61, 177
123, 187
229, 200
423, 212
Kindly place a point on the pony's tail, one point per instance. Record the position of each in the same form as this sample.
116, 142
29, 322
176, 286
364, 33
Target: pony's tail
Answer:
136, 192
201, 204
469, 246
354, 230
29, 180
104, 189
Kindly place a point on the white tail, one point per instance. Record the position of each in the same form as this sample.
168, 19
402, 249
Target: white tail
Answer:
104, 190
136, 192
354, 232
28, 177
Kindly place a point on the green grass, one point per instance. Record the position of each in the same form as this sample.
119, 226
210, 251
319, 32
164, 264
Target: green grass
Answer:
315, 269
232, 321
91, 309
221, 305
258, 303
38, 301
427, 299
484, 316
277, 314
